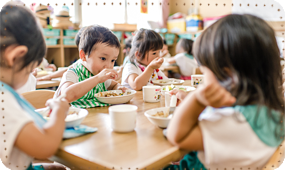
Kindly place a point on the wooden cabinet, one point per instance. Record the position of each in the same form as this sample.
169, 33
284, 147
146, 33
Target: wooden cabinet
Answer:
61, 55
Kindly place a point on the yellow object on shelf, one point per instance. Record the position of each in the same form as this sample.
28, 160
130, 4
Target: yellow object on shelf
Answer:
176, 25
194, 22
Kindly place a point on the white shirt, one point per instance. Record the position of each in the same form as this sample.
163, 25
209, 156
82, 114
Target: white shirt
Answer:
29, 86
185, 64
229, 143
15, 118
71, 76
129, 69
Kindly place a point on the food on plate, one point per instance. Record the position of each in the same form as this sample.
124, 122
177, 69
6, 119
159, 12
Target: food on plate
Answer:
161, 114
111, 94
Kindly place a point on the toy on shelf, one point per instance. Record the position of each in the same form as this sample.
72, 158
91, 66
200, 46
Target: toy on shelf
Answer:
43, 15
62, 19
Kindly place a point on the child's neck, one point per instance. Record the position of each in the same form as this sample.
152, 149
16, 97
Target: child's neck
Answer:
6, 76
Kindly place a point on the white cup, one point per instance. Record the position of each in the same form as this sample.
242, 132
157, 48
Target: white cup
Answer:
197, 79
123, 117
151, 94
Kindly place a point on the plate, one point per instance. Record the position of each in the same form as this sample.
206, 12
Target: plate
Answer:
70, 120
168, 82
117, 99
171, 87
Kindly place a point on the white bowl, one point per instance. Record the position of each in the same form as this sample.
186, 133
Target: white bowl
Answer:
69, 120
187, 89
160, 122
117, 99
168, 82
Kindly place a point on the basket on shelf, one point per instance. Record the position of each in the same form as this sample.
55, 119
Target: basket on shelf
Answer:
71, 33
169, 38
51, 41
51, 32
69, 41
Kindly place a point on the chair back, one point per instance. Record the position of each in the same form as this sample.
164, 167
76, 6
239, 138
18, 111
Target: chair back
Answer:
38, 98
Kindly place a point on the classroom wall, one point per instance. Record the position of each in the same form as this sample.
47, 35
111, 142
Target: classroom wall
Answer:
207, 8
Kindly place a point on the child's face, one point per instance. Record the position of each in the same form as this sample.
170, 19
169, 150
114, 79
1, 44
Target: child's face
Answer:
102, 56
151, 55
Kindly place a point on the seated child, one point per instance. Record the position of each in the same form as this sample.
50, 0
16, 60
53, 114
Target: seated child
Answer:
93, 73
184, 58
145, 61
23, 137
60, 72
234, 120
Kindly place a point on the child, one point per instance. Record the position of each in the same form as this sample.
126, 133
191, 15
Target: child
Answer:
144, 63
22, 50
235, 119
93, 73
184, 58
60, 73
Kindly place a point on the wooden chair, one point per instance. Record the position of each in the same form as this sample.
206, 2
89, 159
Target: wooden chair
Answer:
197, 71
276, 159
38, 98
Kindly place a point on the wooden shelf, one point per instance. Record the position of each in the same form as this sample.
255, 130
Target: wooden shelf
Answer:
53, 46
62, 55
69, 46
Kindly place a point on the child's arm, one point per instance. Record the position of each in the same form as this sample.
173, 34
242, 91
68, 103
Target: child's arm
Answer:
183, 129
138, 81
171, 60
53, 75
75, 91
44, 143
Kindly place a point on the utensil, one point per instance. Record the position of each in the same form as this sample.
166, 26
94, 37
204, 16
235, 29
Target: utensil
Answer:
173, 102
47, 110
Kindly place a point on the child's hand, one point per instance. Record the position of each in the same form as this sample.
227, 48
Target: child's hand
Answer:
59, 106
107, 74
52, 66
120, 71
211, 93
180, 94
156, 63
164, 53
122, 88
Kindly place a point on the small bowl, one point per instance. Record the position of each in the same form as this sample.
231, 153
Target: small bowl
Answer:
117, 99
70, 122
159, 121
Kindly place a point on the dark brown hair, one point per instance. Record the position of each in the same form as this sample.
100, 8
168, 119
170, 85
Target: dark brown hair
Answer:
186, 45
18, 25
144, 41
95, 34
242, 52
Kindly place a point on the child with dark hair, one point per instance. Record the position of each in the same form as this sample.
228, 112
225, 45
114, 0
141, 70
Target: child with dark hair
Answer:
94, 73
25, 135
184, 58
145, 61
235, 119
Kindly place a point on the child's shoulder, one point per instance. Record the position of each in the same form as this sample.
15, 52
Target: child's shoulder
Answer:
262, 120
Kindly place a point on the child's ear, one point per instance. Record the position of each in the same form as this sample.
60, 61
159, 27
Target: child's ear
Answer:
137, 55
82, 55
12, 53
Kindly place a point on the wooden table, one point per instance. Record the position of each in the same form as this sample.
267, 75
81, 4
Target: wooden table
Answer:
46, 84
146, 147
